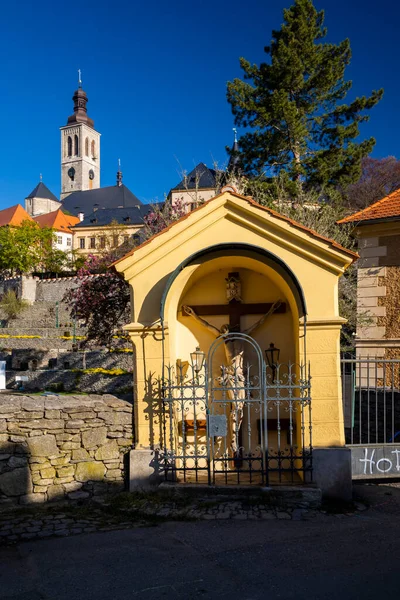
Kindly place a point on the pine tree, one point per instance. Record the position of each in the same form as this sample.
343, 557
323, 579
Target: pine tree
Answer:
299, 127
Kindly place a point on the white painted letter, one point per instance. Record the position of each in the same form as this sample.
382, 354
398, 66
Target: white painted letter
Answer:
384, 460
397, 453
366, 460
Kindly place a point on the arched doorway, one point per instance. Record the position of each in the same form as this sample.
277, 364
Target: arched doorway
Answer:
238, 417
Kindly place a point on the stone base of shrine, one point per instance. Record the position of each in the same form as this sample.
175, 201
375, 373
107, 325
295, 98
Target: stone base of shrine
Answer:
332, 472
143, 469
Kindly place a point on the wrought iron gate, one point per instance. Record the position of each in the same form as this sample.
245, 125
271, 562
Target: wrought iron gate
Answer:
237, 420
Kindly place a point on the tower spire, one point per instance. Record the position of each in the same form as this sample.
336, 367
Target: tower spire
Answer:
80, 111
119, 174
234, 162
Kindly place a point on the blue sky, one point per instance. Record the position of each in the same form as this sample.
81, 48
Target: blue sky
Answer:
155, 73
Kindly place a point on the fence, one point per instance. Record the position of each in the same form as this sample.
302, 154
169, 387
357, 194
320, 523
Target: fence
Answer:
371, 405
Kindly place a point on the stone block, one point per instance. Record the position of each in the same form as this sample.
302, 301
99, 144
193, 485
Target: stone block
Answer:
43, 424
55, 492
45, 481
124, 441
108, 452
116, 418
332, 472
89, 471
29, 415
84, 415
75, 424
94, 437
65, 471
143, 469
36, 467
33, 499
73, 486
368, 292
80, 454
70, 446
16, 483
63, 460
17, 461
52, 414
374, 251
48, 473
64, 479
32, 404
44, 445
113, 473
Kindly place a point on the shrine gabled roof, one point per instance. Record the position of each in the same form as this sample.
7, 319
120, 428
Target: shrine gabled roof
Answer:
353, 255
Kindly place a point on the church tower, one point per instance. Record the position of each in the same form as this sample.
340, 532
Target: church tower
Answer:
80, 149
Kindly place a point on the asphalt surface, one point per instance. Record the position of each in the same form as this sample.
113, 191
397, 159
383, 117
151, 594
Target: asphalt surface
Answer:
330, 556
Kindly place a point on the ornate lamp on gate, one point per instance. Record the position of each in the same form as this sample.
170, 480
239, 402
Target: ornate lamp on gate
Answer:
272, 356
197, 357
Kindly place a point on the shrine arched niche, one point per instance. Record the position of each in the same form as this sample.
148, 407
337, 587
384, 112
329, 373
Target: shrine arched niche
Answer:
263, 280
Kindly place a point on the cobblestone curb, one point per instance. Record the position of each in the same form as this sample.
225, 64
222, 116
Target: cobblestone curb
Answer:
56, 522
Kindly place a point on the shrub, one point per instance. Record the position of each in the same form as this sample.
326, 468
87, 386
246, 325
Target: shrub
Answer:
11, 305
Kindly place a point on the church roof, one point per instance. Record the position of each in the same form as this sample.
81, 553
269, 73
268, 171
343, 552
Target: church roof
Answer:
386, 209
42, 191
202, 177
57, 220
113, 196
132, 215
14, 215
252, 202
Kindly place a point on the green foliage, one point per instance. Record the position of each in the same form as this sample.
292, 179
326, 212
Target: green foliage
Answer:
322, 217
28, 248
293, 108
11, 305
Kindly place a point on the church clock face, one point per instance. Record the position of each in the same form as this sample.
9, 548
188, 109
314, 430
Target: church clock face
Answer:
71, 173
91, 174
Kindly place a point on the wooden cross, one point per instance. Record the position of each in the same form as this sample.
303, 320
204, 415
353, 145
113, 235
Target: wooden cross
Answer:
235, 309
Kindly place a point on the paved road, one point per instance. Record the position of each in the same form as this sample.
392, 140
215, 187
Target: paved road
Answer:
345, 557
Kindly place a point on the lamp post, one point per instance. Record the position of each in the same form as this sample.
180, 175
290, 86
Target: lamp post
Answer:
197, 357
272, 356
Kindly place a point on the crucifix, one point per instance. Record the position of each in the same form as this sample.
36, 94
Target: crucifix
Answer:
232, 374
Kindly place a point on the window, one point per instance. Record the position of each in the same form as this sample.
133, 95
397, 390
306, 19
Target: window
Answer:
69, 145
82, 243
115, 240
69, 242
102, 242
136, 238
59, 239
76, 145
93, 148
87, 147
92, 242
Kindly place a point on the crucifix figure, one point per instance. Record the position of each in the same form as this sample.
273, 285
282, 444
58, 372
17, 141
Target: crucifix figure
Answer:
233, 373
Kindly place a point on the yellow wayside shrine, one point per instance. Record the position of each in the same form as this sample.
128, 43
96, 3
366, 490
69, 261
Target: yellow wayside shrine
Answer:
239, 279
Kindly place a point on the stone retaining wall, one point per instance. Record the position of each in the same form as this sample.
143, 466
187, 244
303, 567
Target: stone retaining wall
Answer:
69, 381
67, 446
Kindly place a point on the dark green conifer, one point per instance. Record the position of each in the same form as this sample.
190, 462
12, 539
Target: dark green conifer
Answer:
298, 125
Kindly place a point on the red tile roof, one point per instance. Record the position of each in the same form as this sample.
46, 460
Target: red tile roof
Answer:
14, 215
250, 200
387, 208
57, 220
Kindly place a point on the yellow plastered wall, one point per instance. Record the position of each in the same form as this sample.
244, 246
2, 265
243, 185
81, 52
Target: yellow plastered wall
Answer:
229, 219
